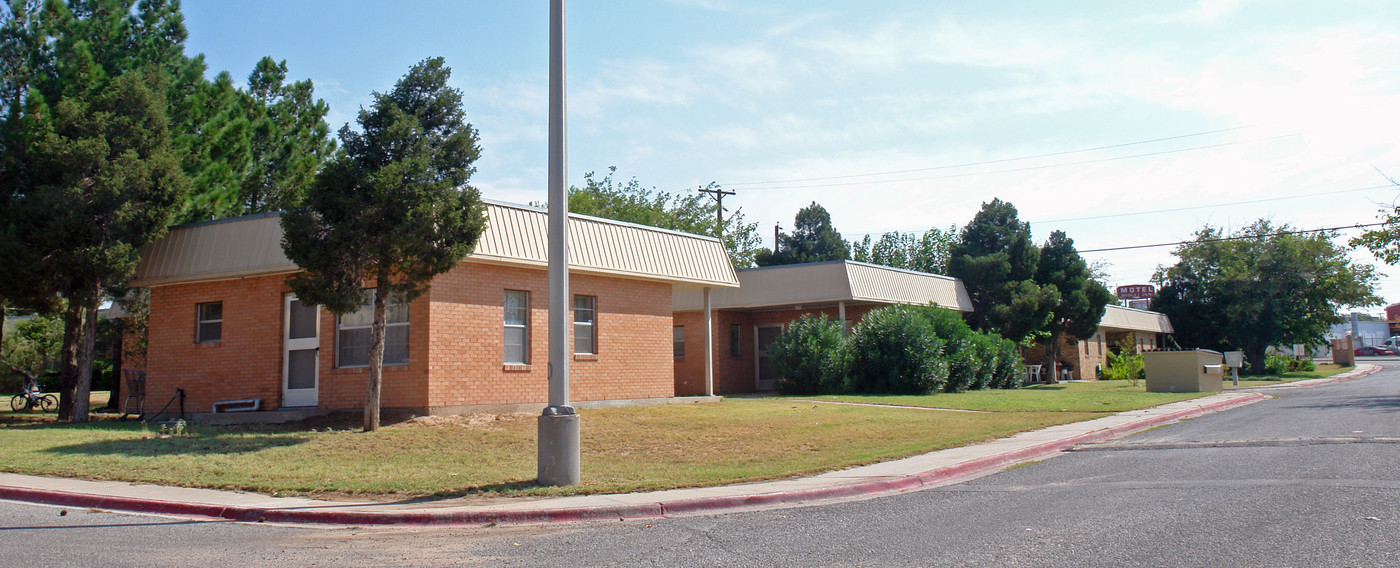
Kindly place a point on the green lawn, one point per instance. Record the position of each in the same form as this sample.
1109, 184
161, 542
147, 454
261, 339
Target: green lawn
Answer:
624, 449
1091, 396
1262, 381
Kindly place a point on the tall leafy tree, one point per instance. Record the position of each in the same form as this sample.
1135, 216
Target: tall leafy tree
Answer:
687, 212
85, 157
997, 262
926, 253
1083, 299
392, 208
254, 150
106, 183
812, 239
1263, 285
289, 139
1383, 242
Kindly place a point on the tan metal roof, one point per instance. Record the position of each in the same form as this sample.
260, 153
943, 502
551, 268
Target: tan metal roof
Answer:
515, 235
1119, 318
830, 282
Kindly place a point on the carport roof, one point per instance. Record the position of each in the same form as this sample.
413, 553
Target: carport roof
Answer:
820, 283
1119, 318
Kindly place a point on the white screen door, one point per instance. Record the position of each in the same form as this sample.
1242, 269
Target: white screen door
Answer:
301, 348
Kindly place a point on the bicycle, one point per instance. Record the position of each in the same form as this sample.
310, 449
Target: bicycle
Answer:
32, 399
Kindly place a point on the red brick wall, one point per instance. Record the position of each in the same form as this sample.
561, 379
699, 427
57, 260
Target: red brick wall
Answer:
735, 374
467, 347
455, 352
245, 363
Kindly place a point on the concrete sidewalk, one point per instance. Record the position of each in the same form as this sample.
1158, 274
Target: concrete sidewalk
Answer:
918, 472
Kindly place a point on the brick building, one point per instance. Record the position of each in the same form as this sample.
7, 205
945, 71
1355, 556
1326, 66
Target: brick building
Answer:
1140, 329
224, 326
744, 320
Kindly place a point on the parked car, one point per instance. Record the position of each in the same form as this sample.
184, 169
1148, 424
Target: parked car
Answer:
1374, 350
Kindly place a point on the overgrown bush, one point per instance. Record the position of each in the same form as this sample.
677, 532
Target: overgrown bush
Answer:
895, 350
958, 348
811, 356
1010, 369
986, 356
1124, 366
30, 349
1279, 364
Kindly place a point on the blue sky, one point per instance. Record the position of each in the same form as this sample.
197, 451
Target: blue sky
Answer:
901, 115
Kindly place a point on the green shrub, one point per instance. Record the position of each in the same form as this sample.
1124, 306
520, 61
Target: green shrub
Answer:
987, 356
1010, 370
959, 349
1280, 364
1125, 366
811, 356
895, 350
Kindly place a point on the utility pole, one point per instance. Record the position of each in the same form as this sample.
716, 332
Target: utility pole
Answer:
558, 452
718, 193
777, 228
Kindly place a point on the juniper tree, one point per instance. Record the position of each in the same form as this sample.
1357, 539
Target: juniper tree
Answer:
391, 210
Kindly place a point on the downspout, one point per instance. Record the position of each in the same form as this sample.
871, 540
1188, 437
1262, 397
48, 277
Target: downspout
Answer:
841, 315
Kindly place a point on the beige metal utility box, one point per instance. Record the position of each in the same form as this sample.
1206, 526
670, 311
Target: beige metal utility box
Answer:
1196, 370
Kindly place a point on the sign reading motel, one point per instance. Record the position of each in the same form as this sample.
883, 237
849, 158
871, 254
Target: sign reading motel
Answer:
1136, 292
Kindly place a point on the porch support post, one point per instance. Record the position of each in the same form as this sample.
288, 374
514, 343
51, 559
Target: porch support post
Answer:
709, 347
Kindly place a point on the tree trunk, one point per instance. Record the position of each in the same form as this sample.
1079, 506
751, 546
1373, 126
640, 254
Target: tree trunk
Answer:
83, 389
1054, 358
376, 358
118, 358
68, 359
1257, 358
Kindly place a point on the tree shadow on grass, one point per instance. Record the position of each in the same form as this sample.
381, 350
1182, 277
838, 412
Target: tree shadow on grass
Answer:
154, 445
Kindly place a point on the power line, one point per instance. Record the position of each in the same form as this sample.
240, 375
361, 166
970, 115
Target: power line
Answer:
1177, 209
1032, 168
997, 161
1230, 204
1239, 238
1033, 156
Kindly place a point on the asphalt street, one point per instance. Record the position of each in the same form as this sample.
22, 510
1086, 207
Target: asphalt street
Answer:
1308, 478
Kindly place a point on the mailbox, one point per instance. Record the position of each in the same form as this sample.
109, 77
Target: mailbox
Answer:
1192, 370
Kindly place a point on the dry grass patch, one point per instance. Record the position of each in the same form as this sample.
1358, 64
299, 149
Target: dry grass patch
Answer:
624, 449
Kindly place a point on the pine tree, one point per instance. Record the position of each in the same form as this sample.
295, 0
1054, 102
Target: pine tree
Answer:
996, 260
392, 208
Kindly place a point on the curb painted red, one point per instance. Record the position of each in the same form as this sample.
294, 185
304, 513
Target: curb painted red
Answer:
619, 512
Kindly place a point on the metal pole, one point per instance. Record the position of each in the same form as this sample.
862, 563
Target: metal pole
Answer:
559, 424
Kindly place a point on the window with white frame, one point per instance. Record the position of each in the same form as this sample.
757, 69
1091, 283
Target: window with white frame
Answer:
353, 334
517, 327
585, 325
678, 340
209, 322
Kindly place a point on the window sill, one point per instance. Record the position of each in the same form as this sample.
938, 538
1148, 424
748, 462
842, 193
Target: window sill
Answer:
206, 344
585, 356
515, 367
386, 367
